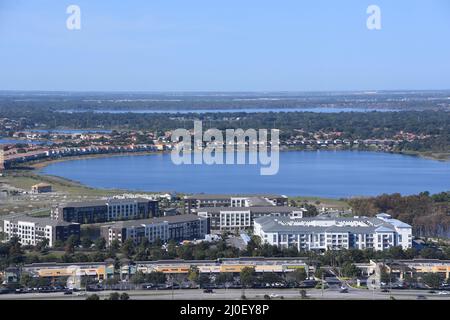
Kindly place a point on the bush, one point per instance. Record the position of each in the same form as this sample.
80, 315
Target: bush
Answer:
93, 297
303, 294
124, 296
114, 296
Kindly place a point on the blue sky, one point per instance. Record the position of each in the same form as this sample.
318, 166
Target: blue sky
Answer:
205, 45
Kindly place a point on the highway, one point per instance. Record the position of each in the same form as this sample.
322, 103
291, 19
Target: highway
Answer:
235, 294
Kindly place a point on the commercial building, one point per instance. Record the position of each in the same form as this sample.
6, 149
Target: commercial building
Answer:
239, 218
2, 159
324, 233
428, 266
31, 230
41, 188
106, 270
401, 268
96, 270
178, 228
227, 265
106, 210
208, 200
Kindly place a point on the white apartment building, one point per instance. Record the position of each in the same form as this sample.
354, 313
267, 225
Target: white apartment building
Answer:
178, 228
31, 231
239, 218
324, 233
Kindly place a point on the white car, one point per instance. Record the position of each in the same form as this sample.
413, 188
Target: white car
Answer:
273, 295
443, 293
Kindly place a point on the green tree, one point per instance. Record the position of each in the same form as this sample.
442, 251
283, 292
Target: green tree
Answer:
114, 247
299, 274
43, 245
350, 270
128, 248
318, 273
203, 279
114, 296
124, 296
86, 242
433, 280
156, 277
93, 297
193, 274
385, 276
58, 244
138, 278
270, 277
224, 277
247, 276
26, 280
303, 294
100, 243
70, 244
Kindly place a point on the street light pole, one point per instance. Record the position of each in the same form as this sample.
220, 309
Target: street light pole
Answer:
322, 284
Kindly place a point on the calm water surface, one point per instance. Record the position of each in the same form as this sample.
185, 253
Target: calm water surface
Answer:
325, 174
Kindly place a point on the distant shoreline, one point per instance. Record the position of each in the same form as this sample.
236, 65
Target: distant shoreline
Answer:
40, 164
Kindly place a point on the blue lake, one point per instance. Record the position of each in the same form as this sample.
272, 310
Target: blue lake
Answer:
332, 174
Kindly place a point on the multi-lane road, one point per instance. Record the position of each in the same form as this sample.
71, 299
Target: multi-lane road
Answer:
234, 294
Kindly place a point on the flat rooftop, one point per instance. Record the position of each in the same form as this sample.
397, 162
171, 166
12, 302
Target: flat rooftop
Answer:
39, 221
228, 196
169, 219
256, 209
98, 203
325, 224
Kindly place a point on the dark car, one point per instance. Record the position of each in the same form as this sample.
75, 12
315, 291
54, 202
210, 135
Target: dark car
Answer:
5, 291
68, 292
208, 291
421, 297
308, 284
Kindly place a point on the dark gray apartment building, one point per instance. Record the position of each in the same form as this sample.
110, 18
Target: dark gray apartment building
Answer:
106, 210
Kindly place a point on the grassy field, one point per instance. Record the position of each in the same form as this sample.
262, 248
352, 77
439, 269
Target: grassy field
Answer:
25, 179
67, 190
39, 205
441, 156
325, 202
